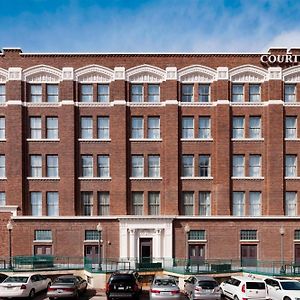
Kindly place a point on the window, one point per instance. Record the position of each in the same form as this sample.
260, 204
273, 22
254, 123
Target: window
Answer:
255, 204
248, 235
104, 202
187, 128
297, 234
291, 166
87, 165
87, 203
2, 128
103, 93
154, 203
137, 127
35, 127
199, 235
254, 93
36, 166
255, 165
255, 127
290, 127
188, 165
238, 166
103, 128
204, 128
204, 204
153, 128
188, 203
52, 165
52, 204
204, 93
154, 166
43, 235
2, 199
52, 128
87, 127
86, 93
103, 166
137, 203
137, 94
204, 166
238, 127
36, 93
36, 203
137, 166
52, 92
91, 235
238, 204
290, 93
2, 166
187, 92
2, 93
237, 93
291, 204
153, 93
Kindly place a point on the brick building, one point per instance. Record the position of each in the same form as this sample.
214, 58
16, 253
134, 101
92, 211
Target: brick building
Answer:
171, 154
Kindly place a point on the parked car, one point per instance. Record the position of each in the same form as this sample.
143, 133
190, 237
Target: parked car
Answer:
282, 288
202, 287
2, 277
67, 286
164, 288
240, 287
23, 285
124, 285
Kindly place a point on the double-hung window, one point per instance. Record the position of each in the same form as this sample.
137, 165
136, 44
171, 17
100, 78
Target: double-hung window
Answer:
187, 203
103, 93
204, 166
290, 93
291, 203
238, 204
52, 165
87, 203
255, 204
290, 127
137, 166
2, 199
153, 128
154, 166
36, 203
86, 127
137, 127
204, 204
137, 93
87, 165
238, 166
103, 166
52, 92
153, 93
2, 93
255, 127
187, 166
35, 127
237, 93
154, 203
204, 93
52, 204
36, 166
104, 203
86, 93
137, 203
187, 93
238, 127
291, 166
2, 166
255, 165
36, 93
52, 127
254, 93
103, 128
204, 128
2, 128
187, 128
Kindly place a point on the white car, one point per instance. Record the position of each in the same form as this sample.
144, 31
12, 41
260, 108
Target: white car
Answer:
23, 285
283, 289
240, 287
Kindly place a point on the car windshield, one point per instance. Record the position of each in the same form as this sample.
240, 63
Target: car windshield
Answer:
210, 284
122, 278
290, 285
16, 279
65, 280
164, 282
255, 285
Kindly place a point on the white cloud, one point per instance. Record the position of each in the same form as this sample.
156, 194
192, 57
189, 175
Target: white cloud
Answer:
289, 39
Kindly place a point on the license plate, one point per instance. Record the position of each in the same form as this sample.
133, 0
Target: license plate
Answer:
166, 293
121, 288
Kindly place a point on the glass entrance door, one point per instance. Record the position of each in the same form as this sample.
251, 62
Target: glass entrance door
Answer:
145, 250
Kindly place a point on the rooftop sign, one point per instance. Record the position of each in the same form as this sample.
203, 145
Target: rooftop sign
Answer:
280, 59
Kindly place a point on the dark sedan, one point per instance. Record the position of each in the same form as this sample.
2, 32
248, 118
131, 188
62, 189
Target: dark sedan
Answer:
67, 286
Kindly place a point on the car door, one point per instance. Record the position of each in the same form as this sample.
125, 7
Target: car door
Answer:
273, 289
35, 283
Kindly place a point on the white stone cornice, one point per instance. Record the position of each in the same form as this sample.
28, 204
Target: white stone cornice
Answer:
42, 73
276, 102
145, 73
171, 102
222, 73
248, 73
9, 209
197, 73
14, 102
3, 75
223, 102
119, 102
119, 73
94, 73
15, 74
275, 73
171, 73
291, 75
67, 73
67, 102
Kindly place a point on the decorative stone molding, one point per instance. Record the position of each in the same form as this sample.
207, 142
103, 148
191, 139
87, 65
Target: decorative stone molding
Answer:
67, 73
14, 73
119, 73
197, 73
275, 73
222, 73
42, 73
145, 73
3, 75
171, 73
248, 73
291, 74
94, 73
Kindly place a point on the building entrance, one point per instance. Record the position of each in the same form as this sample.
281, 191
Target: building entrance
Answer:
92, 254
145, 250
248, 255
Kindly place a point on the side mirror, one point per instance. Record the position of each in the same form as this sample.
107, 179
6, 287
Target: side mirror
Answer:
277, 288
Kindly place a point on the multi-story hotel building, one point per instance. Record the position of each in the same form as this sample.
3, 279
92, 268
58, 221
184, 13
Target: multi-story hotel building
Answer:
171, 155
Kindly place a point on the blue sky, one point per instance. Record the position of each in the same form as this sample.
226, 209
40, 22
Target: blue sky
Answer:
149, 25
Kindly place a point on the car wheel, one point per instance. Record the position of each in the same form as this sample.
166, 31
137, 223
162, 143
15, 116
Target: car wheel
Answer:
286, 298
31, 294
236, 298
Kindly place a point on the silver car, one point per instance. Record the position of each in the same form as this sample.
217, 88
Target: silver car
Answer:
202, 287
164, 288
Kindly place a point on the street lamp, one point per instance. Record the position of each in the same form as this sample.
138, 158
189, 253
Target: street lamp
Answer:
282, 232
9, 227
99, 229
187, 229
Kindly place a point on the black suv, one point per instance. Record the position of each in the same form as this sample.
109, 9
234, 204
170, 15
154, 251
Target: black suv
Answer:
124, 285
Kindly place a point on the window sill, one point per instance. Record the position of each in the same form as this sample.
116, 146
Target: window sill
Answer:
145, 140
292, 139
145, 103
197, 140
94, 140
248, 140
3, 178
94, 178
2, 140
44, 178
91, 241
192, 103
145, 178
249, 241
43, 241
42, 140
197, 241
247, 178
197, 178
292, 178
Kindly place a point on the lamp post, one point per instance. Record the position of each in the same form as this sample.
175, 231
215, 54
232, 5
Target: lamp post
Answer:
282, 232
99, 229
187, 230
9, 227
